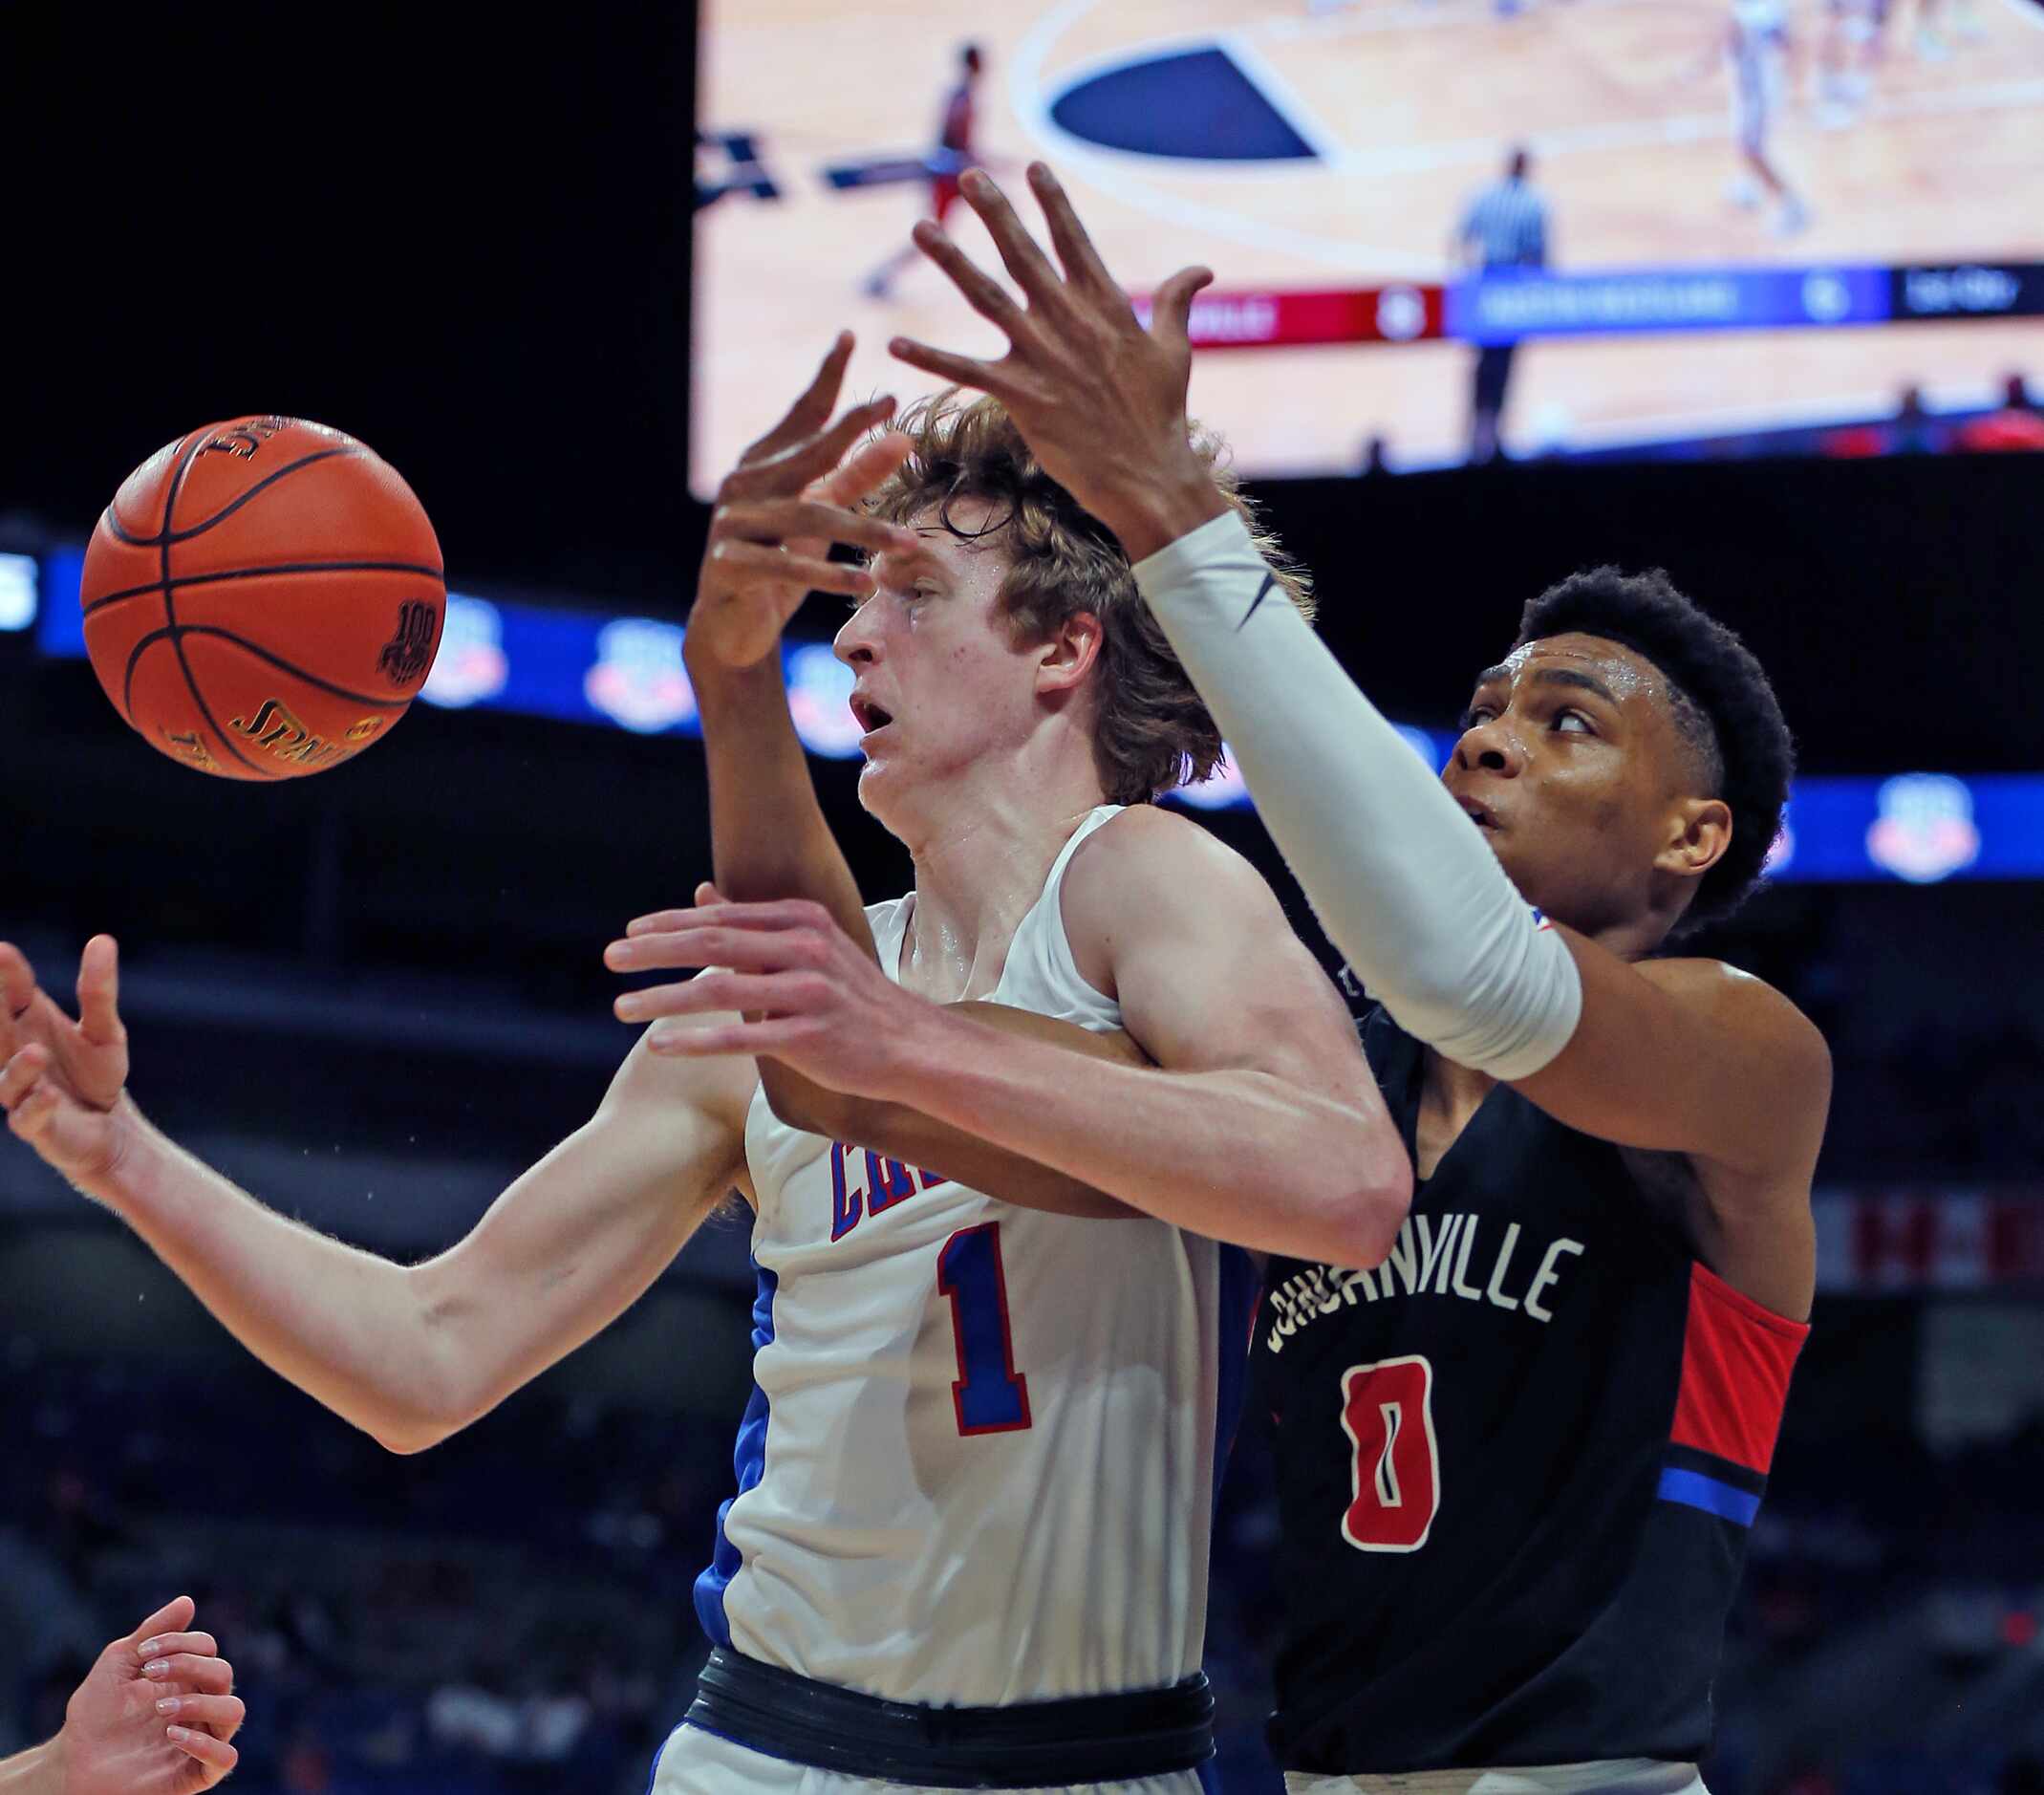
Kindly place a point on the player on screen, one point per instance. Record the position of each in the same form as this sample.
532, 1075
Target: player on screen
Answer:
953, 153
153, 1717
1517, 1462
970, 1539
1756, 52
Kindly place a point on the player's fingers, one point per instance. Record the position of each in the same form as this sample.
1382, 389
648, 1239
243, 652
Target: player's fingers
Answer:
221, 1715
785, 913
816, 519
985, 295
693, 1040
170, 1644
1019, 254
711, 993
810, 460
20, 1076
807, 414
986, 376
99, 992
174, 1616
811, 572
749, 950
216, 1754
862, 472
207, 1676
1170, 310
710, 947
1082, 266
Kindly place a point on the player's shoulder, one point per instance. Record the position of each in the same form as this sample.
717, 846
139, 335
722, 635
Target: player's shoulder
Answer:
1145, 853
1732, 999
1152, 875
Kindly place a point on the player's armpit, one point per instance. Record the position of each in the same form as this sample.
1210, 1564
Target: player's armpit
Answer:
1689, 1056
913, 1138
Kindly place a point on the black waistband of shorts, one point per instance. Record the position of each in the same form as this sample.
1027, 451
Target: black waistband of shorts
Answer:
1027, 1744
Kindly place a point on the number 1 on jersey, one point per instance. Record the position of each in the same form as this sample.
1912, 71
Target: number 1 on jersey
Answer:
991, 1396
1388, 1414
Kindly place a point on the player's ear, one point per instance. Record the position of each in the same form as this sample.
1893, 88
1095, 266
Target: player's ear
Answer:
1699, 831
1069, 651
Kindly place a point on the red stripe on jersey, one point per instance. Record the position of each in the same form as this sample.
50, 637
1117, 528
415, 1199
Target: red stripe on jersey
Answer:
1736, 1359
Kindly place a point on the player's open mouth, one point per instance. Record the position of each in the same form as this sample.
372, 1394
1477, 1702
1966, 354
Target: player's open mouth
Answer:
872, 719
1477, 813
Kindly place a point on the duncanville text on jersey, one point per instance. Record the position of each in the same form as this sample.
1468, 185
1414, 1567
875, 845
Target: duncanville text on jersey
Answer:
1449, 1255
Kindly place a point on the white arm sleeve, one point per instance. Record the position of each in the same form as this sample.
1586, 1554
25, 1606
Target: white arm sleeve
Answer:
1402, 881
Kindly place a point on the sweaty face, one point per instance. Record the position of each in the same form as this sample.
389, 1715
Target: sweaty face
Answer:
940, 686
1571, 764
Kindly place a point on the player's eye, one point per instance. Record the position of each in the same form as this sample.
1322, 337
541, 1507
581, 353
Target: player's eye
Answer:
1584, 725
1473, 715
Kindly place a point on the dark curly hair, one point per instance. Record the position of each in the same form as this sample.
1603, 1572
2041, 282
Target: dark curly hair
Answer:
1724, 705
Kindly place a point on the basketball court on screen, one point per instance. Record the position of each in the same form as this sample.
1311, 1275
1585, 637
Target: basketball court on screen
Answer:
1348, 141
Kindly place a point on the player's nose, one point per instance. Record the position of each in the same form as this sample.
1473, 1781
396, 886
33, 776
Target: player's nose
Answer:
857, 644
1494, 746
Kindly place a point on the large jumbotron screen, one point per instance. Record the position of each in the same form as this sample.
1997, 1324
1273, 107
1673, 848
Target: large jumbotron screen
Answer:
1764, 219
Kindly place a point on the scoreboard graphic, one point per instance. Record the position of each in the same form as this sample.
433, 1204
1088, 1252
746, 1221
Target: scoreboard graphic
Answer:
1321, 157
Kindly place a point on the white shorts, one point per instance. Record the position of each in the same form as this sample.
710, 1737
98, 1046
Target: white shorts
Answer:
1609, 1776
696, 1762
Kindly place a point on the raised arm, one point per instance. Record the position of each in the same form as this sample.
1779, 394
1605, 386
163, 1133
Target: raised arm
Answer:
792, 494
409, 1354
1260, 1123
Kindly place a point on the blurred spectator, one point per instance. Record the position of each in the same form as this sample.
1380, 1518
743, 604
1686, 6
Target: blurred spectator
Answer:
1911, 431
2016, 425
1374, 457
1503, 227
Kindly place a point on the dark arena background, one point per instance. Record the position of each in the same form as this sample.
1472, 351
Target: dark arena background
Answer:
375, 996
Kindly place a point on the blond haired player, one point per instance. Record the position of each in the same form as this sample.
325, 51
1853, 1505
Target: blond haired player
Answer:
974, 1486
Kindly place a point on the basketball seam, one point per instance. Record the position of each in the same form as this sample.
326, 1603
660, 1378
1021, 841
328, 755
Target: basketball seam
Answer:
253, 572
176, 631
176, 640
120, 532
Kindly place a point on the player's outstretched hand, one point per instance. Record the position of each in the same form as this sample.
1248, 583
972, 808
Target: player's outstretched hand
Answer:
792, 494
809, 996
1099, 399
154, 1716
61, 1080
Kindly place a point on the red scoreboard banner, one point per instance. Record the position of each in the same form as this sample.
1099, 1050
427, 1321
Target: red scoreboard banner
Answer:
1293, 320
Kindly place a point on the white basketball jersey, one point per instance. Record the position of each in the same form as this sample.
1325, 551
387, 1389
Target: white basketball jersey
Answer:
980, 1462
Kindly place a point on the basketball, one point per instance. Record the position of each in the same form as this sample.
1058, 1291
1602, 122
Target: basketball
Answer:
264, 599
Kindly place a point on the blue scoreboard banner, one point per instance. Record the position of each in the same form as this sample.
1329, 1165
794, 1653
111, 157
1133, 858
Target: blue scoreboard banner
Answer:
627, 673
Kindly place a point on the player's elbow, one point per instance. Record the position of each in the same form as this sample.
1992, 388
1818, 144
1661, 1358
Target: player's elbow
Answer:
407, 1437
1364, 1196
1374, 1211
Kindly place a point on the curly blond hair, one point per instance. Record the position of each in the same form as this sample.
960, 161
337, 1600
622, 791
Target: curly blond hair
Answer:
1151, 730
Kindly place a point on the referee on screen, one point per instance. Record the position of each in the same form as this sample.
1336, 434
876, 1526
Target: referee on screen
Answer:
1505, 227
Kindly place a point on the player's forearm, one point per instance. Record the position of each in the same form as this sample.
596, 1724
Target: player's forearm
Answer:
1241, 1156
36, 1771
343, 1325
1403, 883
900, 1131
768, 836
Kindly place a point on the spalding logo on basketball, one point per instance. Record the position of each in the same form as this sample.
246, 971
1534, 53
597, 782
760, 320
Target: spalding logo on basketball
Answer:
262, 598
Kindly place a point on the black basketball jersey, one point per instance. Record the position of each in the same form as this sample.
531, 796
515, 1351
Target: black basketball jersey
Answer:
1516, 1464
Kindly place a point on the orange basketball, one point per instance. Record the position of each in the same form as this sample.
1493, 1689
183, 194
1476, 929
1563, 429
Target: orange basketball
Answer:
262, 598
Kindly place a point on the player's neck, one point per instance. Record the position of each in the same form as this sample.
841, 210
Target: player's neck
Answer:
981, 864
